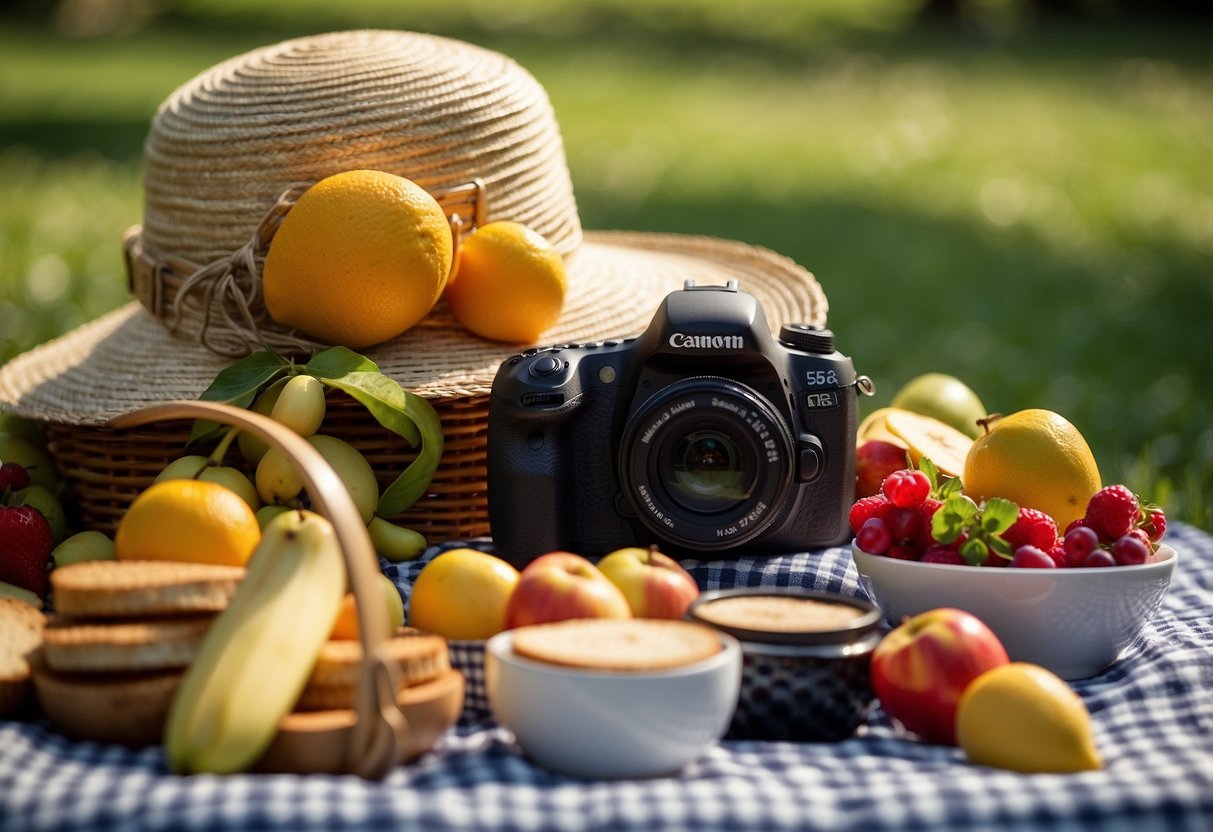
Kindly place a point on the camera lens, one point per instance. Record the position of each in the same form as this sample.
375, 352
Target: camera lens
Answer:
708, 474
706, 463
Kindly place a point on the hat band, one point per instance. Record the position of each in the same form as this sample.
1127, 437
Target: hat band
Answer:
223, 299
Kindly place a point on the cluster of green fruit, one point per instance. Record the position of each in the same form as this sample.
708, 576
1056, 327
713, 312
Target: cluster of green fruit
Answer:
299, 403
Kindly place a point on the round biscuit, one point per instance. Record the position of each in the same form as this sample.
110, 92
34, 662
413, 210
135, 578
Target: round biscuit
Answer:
623, 644
71, 646
21, 627
134, 588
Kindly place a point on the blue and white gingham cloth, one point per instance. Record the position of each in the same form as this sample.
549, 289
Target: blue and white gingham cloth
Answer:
1152, 713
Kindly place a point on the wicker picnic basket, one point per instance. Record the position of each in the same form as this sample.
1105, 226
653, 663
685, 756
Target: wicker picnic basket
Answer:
389, 724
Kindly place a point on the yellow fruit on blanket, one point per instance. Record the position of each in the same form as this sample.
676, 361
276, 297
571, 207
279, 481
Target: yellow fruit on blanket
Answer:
1024, 718
1036, 459
361, 257
462, 594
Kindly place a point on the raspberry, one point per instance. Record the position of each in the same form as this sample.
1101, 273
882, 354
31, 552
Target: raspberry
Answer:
1074, 524
1058, 553
866, 508
1112, 512
926, 511
906, 489
1032, 528
942, 553
1155, 524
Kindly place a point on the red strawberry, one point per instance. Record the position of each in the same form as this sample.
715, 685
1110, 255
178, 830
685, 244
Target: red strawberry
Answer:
1032, 528
1112, 512
939, 553
25, 548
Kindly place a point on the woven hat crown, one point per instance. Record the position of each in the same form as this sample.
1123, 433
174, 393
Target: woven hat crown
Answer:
226, 145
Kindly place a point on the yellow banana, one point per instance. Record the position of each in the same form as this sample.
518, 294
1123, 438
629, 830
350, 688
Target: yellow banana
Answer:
396, 543
258, 654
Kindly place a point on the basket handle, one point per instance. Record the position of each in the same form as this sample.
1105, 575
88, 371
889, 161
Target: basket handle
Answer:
380, 726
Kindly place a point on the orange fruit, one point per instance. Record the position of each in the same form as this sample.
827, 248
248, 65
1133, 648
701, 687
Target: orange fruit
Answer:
509, 283
346, 627
462, 594
188, 520
1036, 459
361, 257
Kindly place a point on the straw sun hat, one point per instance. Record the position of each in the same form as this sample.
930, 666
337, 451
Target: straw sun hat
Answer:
224, 147
228, 152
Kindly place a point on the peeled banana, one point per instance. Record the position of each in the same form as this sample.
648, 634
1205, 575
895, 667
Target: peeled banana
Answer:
257, 656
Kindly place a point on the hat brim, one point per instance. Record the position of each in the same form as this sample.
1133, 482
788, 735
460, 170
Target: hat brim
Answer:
126, 360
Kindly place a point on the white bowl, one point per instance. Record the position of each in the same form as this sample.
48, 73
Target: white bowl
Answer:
1074, 622
612, 724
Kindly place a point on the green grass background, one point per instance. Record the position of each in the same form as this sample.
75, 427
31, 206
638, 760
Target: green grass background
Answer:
1027, 204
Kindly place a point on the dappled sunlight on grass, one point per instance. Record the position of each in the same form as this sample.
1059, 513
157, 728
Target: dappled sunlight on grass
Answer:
1034, 215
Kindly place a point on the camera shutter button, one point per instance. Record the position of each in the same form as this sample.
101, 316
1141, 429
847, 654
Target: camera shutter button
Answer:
546, 366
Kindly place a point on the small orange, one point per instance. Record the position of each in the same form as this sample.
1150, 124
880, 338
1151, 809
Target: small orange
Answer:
509, 283
361, 257
188, 520
346, 627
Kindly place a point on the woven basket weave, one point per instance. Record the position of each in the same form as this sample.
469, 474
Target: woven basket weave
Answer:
106, 468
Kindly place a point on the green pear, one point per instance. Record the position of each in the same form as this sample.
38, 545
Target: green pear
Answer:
945, 398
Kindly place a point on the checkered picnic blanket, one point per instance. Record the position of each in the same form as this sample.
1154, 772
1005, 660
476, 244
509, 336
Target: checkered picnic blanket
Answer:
1152, 714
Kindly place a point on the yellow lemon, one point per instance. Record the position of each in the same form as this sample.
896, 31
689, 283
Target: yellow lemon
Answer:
509, 283
462, 594
361, 257
1024, 718
1036, 459
188, 520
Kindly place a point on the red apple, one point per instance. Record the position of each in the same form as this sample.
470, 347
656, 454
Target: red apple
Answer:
562, 585
655, 585
875, 459
920, 669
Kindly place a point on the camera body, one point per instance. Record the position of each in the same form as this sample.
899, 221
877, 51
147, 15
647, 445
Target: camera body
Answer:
702, 435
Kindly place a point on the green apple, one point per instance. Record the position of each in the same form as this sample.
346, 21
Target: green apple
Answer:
82, 546
40, 498
30, 456
945, 398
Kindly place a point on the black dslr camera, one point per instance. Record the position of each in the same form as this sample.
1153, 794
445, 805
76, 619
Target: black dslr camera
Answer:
703, 434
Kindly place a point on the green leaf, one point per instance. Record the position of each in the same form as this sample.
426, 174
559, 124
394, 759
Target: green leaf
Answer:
928, 467
1001, 547
974, 551
998, 515
951, 486
336, 362
237, 385
384, 398
949, 522
414, 481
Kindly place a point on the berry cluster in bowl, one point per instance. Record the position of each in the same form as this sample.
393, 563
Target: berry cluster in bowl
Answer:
918, 515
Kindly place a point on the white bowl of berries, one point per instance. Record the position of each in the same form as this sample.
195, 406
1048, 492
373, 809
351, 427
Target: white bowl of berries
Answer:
1070, 601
